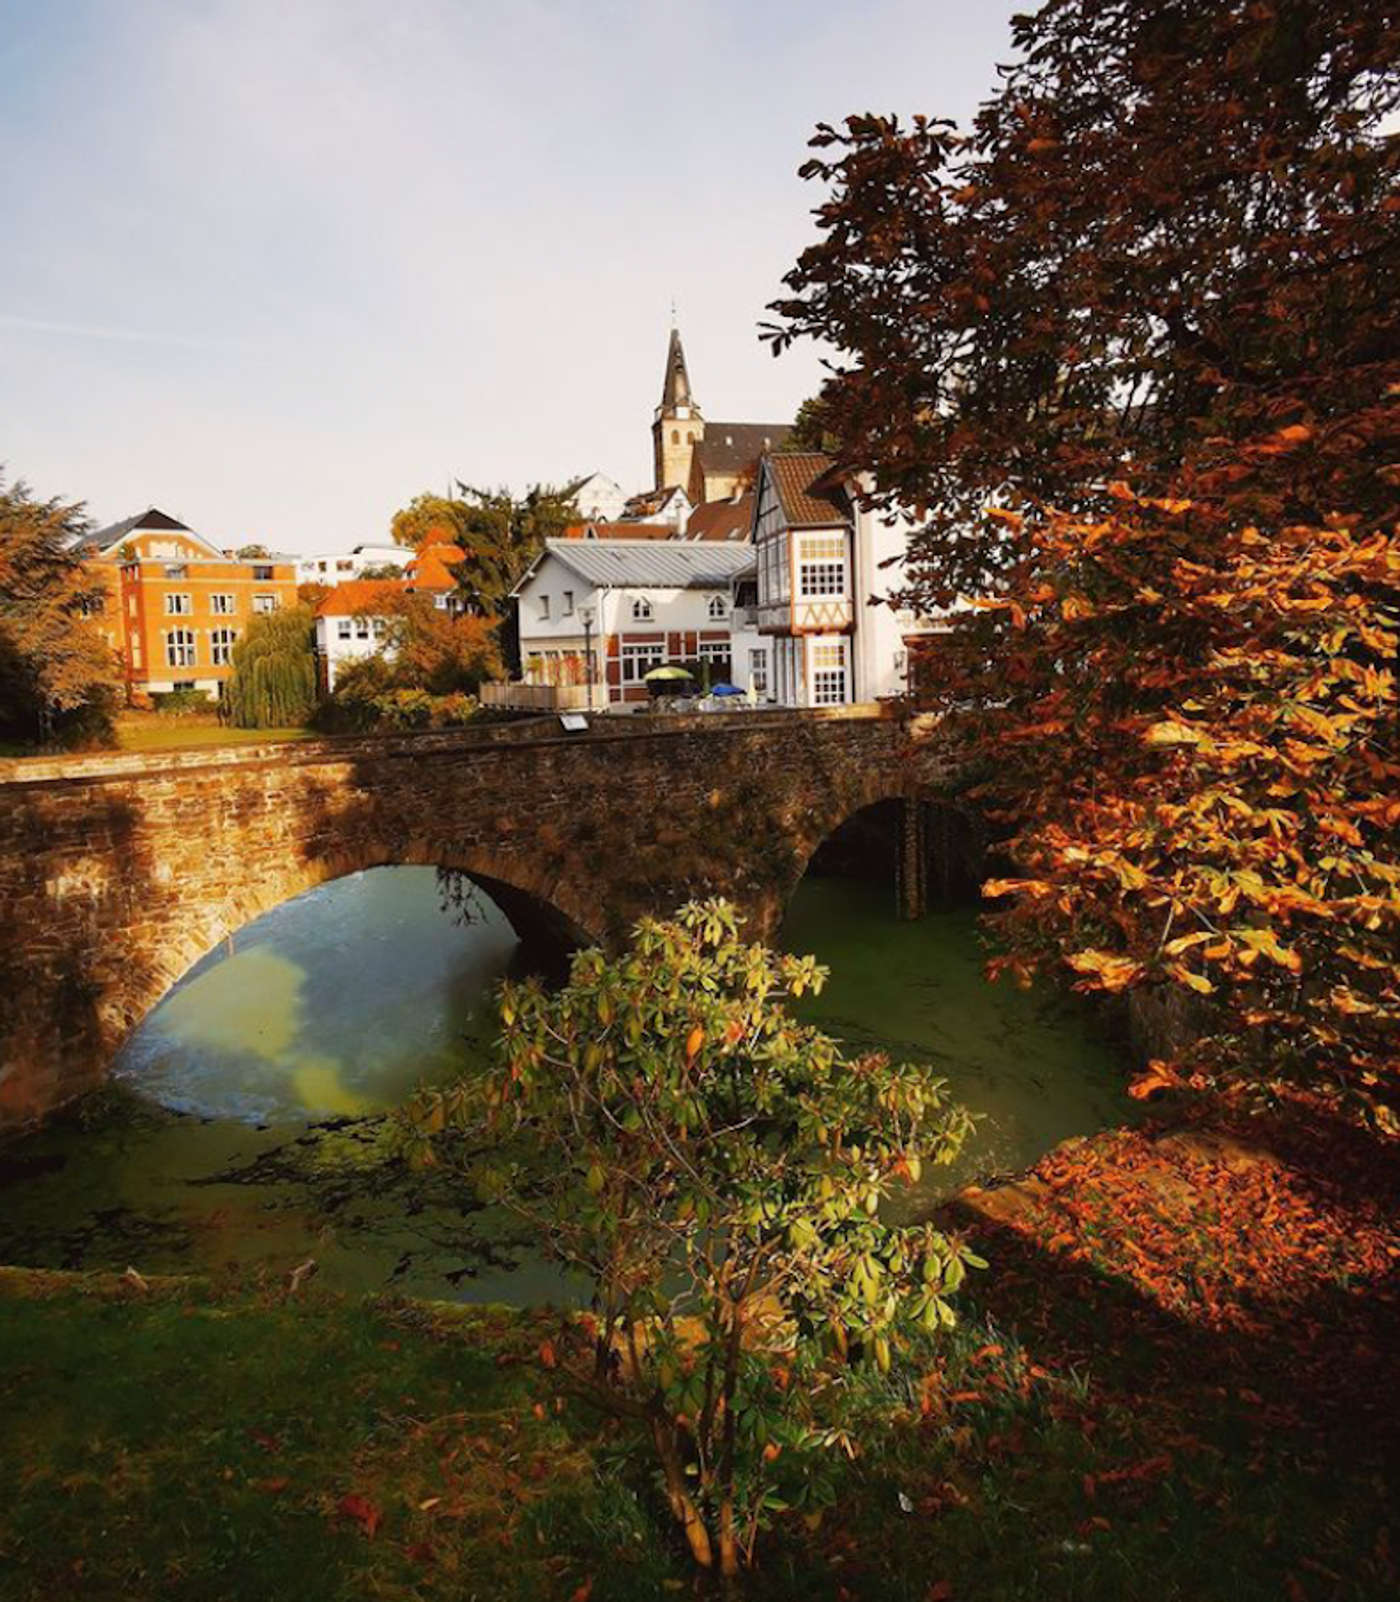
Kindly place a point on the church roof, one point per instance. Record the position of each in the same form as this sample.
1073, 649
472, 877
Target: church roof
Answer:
734, 447
675, 387
807, 491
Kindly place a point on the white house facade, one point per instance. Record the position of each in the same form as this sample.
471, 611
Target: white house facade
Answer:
599, 498
626, 607
822, 590
347, 629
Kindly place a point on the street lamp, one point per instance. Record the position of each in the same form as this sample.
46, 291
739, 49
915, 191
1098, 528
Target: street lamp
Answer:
586, 613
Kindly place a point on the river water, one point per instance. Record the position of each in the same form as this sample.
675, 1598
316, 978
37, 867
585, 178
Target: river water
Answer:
239, 1132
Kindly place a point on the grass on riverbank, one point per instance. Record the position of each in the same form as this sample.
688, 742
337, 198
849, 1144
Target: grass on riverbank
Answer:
1173, 1384
152, 732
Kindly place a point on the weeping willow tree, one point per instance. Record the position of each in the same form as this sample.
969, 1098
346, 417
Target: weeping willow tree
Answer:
273, 683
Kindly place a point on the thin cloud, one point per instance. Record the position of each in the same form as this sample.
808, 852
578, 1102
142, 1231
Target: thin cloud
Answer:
43, 325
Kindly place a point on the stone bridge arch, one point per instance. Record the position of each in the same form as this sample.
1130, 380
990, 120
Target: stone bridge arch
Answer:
117, 873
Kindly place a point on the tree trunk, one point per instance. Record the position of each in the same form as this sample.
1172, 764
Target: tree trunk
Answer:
685, 1510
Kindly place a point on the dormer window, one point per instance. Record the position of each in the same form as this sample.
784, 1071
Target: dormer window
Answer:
641, 610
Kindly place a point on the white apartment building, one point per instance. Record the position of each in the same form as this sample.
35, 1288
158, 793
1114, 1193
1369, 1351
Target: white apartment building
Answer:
336, 566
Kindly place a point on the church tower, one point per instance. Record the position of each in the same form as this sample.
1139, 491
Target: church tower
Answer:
678, 426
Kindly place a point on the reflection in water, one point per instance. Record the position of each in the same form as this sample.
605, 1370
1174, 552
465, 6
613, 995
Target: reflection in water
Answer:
1029, 1064
334, 1005
269, 1067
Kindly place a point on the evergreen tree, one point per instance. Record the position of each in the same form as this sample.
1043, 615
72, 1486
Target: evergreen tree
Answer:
273, 683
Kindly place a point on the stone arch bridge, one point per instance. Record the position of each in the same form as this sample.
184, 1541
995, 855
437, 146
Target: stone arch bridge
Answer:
118, 872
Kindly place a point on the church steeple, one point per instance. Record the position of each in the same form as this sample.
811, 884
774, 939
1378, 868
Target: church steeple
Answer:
675, 389
678, 426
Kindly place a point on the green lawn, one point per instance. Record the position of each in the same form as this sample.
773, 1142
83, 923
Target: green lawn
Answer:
182, 1444
175, 734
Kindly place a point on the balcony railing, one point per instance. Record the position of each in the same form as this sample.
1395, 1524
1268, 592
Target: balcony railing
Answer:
518, 697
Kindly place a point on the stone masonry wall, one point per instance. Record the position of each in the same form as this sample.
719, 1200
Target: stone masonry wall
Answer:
118, 872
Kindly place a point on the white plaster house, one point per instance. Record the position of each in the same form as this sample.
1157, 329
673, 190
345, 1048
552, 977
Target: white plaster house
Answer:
598, 498
821, 586
645, 603
335, 566
345, 630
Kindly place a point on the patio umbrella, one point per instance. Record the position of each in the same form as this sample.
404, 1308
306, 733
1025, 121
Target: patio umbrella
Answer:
666, 675
725, 689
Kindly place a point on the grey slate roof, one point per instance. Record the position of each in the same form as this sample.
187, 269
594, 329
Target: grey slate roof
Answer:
100, 538
733, 447
649, 564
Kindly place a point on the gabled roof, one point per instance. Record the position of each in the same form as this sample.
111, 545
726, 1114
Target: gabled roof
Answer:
721, 520
650, 502
152, 519
808, 491
732, 447
429, 569
358, 595
645, 564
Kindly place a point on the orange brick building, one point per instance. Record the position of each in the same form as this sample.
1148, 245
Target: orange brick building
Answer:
175, 604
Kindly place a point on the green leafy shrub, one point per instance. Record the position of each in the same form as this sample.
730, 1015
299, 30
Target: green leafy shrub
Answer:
182, 703
718, 1172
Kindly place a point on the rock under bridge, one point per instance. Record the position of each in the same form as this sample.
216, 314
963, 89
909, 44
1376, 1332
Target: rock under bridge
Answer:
118, 872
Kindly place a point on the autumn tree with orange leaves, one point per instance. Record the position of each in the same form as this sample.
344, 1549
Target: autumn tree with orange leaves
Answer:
1128, 351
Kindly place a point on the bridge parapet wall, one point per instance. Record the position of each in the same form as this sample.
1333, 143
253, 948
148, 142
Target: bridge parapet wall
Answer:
118, 872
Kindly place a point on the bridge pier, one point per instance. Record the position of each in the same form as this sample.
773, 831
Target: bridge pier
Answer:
911, 861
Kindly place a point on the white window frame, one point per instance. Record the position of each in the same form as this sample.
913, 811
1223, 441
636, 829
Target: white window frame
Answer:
718, 608
544, 609
714, 650
822, 567
567, 609
829, 682
221, 643
642, 611
263, 605
181, 648
343, 628
758, 669
223, 604
179, 603
639, 658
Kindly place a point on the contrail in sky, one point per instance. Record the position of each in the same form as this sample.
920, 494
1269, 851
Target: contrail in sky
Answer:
41, 325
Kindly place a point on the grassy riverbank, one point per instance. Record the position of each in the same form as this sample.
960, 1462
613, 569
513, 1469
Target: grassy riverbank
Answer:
1173, 1384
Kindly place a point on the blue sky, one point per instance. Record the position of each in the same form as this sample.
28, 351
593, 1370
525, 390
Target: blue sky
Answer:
277, 265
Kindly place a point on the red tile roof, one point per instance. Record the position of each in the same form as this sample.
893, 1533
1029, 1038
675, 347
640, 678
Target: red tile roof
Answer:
620, 531
810, 495
721, 520
358, 595
429, 568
